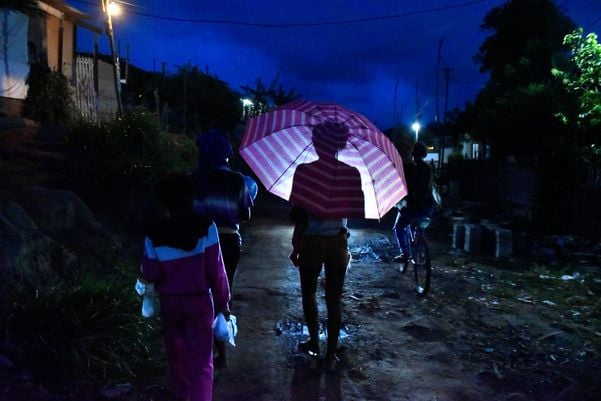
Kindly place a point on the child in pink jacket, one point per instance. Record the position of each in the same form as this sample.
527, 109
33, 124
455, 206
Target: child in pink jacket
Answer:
182, 257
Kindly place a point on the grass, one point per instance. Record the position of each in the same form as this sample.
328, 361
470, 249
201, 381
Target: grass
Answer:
88, 330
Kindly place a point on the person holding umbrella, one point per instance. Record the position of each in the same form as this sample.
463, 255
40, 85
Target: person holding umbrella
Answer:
331, 163
323, 242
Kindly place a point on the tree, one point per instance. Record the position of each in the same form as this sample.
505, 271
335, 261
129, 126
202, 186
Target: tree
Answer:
516, 111
527, 35
198, 100
583, 80
266, 98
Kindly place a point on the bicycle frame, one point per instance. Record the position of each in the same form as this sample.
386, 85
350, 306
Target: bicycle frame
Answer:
419, 255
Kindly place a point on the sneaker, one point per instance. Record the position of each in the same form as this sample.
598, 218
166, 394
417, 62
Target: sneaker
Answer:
402, 258
331, 362
309, 347
220, 362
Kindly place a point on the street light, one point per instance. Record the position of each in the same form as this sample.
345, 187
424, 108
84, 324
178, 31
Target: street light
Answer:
110, 7
416, 128
247, 106
114, 9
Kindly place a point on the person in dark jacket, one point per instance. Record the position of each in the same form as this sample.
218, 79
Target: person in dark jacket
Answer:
226, 197
419, 200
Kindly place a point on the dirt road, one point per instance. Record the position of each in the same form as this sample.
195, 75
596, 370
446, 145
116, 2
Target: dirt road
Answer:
486, 331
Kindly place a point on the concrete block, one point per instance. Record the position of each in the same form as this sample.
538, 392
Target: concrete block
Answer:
504, 243
458, 236
473, 238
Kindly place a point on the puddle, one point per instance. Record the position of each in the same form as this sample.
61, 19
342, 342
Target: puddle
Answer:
364, 253
294, 328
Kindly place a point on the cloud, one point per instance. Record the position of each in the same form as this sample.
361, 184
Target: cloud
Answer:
356, 63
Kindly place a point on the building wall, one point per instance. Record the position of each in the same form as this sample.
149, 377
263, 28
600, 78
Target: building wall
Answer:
107, 98
53, 25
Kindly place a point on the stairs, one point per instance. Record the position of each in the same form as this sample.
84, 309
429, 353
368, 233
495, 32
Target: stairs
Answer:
29, 157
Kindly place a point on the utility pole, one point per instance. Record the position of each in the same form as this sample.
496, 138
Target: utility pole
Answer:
438, 77
185, 100
437, 114
447, 74
395, 121
127, 65
416, 104
116, 74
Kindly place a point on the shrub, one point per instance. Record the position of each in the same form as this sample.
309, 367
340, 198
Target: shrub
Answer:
129, 152
90, 330
49, 96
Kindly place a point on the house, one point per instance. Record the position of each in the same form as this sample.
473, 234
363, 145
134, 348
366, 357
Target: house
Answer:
49, 38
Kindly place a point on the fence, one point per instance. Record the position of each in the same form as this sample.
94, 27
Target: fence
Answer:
90, 105
503, 187
85, 95
585, 206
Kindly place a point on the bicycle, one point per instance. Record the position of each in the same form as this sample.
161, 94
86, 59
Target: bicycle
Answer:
419, 255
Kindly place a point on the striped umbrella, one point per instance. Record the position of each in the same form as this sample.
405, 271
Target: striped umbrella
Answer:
326, 158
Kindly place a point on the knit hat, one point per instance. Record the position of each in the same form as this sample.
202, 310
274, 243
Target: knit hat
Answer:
214, 146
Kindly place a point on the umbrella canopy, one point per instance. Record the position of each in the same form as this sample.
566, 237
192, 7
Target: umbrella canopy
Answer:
326, 158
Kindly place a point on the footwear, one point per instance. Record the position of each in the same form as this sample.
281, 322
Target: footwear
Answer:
309, 347
220, 362
220, 357
402, 258
331, 362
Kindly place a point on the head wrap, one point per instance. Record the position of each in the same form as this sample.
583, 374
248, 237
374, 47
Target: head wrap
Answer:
214, 149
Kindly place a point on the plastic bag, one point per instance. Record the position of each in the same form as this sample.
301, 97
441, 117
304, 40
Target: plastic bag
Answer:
436, 196
253, 188
150, 302
225, 330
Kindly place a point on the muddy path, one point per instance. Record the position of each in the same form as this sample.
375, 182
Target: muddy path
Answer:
487, 331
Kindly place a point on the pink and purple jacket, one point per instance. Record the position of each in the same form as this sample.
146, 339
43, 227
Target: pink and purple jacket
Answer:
187, 272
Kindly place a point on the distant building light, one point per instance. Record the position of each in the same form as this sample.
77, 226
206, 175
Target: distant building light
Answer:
247, 102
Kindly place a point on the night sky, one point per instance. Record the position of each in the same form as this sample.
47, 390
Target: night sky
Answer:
354, 52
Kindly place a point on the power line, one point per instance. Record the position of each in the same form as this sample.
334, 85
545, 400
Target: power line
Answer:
296, 24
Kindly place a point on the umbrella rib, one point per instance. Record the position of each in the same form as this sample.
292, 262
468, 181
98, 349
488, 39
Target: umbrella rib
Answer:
372, 180
288, 168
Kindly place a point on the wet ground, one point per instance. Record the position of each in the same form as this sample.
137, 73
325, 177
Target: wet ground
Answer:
489, 330
510, 330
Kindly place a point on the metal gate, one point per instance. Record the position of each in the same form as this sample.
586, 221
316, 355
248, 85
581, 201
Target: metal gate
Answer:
85, 95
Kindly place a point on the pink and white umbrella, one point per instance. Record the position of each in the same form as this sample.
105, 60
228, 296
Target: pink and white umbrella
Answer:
330, 143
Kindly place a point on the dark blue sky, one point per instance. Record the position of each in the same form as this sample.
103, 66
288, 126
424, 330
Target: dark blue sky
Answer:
356, 64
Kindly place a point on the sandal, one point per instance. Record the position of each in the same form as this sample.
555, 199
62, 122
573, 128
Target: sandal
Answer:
309, 347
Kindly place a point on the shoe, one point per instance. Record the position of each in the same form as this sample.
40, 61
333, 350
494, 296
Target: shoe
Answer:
402, 258
220, 362
309, 347
331, 362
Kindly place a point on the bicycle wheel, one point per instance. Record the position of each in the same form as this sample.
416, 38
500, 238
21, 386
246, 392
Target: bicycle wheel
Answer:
422, 266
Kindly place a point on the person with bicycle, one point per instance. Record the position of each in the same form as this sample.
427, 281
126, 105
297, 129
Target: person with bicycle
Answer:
419, 202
